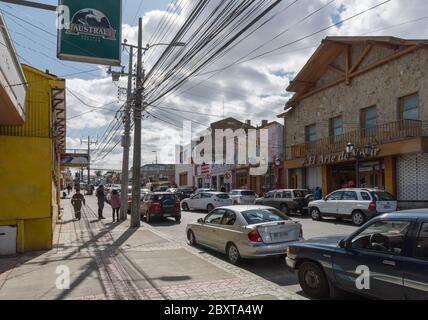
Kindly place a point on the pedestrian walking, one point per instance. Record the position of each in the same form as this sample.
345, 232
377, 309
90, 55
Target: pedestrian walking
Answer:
101, 198
69, 188
77, 201
115, 204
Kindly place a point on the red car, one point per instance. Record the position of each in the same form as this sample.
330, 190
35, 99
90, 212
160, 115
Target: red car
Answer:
160, 205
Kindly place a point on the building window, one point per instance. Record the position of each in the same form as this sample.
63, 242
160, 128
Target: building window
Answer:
241, 180
311, 133
336, 127
369, 120
409, 107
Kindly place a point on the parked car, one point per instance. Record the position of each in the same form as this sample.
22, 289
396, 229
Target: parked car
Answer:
245, 232
199, 190
182, 193
242, 197
206, 201
357, 204
394, 248
286, 200
143, 192
160, 205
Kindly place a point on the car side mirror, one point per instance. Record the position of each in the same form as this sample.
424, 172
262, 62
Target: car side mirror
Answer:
200, 220
324, 198
345, 244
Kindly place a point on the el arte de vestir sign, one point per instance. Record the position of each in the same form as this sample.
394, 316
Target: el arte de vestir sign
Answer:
317, 160
90, 31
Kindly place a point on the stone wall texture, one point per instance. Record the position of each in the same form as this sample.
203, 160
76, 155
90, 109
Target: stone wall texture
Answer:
381, 87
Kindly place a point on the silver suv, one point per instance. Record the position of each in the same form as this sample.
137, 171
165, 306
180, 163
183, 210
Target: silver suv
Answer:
357, 204
242, 197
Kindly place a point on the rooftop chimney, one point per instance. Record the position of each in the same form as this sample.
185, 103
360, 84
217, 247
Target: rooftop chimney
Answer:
248, 122
264, 123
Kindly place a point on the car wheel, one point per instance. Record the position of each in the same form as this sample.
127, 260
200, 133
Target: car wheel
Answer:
284, 209
358, 218
315, 214
313, 280
177, 219
185, 206
210, 207
233, 254
191, 237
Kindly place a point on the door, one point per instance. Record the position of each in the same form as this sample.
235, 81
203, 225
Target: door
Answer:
331, 203
379, 249
7, 240
348, 203
415, 269
194, 202
293, 181
210, 228
225, 231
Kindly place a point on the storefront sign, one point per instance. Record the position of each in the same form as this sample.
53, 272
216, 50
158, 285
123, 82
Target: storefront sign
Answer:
317, 160
74, 160
93, 34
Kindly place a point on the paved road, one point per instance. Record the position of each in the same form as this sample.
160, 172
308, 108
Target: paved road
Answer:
273, 270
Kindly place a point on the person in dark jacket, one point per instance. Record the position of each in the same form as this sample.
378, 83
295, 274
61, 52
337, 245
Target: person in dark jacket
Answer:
77, 201
101, 197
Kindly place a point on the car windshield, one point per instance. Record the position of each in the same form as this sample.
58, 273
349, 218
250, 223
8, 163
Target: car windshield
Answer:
247, 193
163, 197
383, 196
263, 215
223, 196
301, 193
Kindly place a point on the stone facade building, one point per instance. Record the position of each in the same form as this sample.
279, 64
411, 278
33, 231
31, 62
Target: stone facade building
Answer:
370, 93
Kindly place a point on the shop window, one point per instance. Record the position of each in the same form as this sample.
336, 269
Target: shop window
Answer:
409, 107
311, 133
336, 128
369, 120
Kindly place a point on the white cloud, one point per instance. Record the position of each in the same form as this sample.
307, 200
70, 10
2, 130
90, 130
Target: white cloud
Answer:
252, 90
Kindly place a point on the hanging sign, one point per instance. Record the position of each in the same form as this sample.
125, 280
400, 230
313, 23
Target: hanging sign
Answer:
90, 31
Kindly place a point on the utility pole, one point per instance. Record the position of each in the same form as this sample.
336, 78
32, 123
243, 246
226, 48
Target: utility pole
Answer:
89, 142
138, 108
127, 140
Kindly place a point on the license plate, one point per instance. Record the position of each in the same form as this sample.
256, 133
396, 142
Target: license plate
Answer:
279, 235
387, 206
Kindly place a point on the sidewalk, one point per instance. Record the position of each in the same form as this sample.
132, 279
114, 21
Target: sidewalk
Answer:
112, 261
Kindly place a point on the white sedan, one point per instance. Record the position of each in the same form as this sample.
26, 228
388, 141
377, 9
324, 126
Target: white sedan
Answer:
206, 201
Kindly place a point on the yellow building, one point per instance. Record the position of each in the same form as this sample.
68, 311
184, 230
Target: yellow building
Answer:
30, 163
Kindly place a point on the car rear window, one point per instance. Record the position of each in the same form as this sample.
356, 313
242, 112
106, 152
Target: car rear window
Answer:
223, 196
383, 196
263, 215
163, 197
247, 193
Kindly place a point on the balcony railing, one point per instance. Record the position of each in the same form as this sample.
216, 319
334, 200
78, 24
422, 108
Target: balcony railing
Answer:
384, 133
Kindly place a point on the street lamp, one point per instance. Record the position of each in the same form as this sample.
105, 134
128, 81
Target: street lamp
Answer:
359, 154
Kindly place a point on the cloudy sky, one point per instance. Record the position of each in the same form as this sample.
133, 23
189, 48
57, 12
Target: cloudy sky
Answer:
251, 90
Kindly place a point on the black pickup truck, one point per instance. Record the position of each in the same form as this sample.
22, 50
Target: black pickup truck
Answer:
387, 258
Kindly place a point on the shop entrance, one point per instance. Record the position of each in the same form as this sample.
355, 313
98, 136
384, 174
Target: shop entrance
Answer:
372, 175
